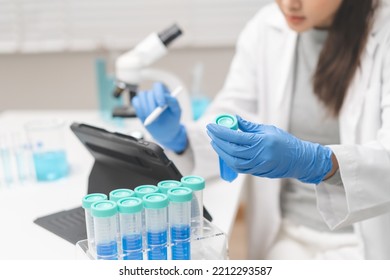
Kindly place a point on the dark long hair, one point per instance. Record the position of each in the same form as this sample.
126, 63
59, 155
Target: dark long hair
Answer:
340, 58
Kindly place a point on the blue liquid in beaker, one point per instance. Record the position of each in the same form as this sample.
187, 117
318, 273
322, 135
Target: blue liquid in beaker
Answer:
132, 247
226, 172
107, 251
180, 237
157, 244
50, 165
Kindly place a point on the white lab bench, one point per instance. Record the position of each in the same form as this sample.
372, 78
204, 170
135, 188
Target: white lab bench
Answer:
21, 204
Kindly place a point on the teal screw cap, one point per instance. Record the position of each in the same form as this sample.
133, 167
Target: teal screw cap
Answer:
143, 190
166, 185
228, 121
130, 205
104, 209
195, 183
91, 198
155, 201
117, 194
180, 194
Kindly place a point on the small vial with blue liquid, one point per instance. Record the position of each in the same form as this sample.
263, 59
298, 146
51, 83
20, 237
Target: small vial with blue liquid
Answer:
140, 192
23, 157
104, 215
180, 222
6, 161
156, 216
87, 201
228, 121
116, 195
130, 210
197, 185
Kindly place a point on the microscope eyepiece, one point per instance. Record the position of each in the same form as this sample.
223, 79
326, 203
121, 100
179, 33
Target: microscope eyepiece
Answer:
168, 35
119, 88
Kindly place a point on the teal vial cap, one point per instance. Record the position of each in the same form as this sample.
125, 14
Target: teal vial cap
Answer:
195, 183
143, 190
117, 194
91, 198
228, 121
166, 185
155, 201
130, 205
180, 194
104, 208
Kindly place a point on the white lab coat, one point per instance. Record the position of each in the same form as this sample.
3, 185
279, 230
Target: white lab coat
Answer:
259, 88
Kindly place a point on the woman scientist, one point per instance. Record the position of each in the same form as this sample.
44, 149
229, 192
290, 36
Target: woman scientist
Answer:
310, 83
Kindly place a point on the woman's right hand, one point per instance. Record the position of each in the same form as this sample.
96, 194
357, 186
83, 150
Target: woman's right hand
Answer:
166, 129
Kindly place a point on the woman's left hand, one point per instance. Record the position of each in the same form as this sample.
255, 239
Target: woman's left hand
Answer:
267, 151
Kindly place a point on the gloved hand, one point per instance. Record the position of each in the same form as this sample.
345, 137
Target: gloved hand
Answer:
166, 129
267, 151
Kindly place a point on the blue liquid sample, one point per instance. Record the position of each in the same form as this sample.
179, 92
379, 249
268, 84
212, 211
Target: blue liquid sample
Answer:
199, 106
5, 157
180, 237
132, 247
157, 244
107, 251
226, 172
50, 165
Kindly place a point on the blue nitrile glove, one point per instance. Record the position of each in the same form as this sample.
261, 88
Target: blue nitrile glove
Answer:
267, 151
166, 129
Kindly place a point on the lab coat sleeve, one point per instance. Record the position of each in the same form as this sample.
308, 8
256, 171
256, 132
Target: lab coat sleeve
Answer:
238, 96
365, 172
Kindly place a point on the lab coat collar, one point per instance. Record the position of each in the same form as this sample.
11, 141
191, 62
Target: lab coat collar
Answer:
276, 19
381, 20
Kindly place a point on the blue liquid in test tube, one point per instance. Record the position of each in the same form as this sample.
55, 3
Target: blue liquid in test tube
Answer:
116, 195
156, 216
180, 222
104, 215
130, 210
228, 121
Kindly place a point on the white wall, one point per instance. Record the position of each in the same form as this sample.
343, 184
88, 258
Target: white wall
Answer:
67, 80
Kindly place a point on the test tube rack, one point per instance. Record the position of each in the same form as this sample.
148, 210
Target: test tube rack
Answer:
212, 245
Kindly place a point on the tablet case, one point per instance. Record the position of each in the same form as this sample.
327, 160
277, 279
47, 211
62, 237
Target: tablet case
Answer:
121, 161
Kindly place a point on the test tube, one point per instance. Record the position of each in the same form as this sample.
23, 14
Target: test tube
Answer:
130, 209
180, 222
164, 186
196, 184
140, 192
23, 157
86, 204
228, 121
115, 195
104, 215
6, 159
143, 190
156, 215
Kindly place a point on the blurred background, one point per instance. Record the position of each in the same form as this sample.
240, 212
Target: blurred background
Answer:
57, 54
48, 48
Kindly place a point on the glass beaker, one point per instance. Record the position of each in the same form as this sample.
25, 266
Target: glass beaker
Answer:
47, 142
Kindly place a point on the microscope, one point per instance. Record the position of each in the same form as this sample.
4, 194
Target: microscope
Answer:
133, 67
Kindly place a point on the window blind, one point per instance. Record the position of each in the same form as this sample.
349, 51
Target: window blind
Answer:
78, 25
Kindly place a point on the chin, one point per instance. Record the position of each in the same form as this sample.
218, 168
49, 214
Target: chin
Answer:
299, 28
